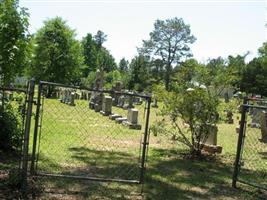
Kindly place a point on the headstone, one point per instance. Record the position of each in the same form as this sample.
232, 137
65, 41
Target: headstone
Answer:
64, 99
226, 97
97, 97
210, 142
121, 101
137, 101
117, 88
120, 119
229, 117
72, 97
128, 103
114, 116
212, 137
255, 115
263, 123
106, 106
132, 119
97, 107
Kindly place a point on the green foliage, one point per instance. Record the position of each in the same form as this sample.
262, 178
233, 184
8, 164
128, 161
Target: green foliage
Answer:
100, 38
111, 78
170, 41
14, 40
90, 54
10, 123
106, 61
190, 111
236, 65
89, 81
138, 78
95, 55
254, 74
123, 65
58, 55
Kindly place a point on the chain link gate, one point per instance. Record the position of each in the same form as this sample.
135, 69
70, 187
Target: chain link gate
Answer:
251, 158
73, 141
16, 106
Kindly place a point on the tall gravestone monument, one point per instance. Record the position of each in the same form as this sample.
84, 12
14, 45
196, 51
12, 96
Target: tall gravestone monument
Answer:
97, 97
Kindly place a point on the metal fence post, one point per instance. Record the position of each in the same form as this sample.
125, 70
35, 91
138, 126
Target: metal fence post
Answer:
27, 135
145, 142
36, 126
240, 142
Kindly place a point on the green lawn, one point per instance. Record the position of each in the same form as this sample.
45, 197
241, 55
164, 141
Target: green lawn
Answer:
78, 141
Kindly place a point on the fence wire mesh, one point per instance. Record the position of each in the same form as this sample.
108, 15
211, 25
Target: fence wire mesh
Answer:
253, 161
75, 140
12, 117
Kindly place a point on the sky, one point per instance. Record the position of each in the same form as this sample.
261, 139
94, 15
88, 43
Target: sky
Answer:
222, 27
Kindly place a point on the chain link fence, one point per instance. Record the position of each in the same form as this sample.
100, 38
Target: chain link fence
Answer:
90, 135
12, 119
251, 162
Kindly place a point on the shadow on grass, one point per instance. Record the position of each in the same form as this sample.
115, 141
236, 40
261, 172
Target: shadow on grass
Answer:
176, 177
169, 176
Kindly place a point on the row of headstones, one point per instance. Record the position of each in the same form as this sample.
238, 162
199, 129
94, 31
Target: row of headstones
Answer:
67, 97
105, 108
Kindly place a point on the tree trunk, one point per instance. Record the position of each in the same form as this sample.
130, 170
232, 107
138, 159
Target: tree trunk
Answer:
167, 76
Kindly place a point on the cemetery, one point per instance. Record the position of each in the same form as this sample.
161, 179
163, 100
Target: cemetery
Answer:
78, 121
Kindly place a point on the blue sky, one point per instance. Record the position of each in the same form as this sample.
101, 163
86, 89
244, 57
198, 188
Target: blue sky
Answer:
222, 28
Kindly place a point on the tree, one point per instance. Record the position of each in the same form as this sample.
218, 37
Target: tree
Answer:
14, 40
123, 65
58, 55
100, 38
253, 78
138, 74
169, 41
90, 54
156, 70
106, 61
237, 64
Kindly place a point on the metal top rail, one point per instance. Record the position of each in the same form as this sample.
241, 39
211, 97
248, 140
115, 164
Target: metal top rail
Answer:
146, 96
254, 106
13, 89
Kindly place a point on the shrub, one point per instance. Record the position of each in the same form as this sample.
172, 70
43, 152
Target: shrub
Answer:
11, 127
188, 116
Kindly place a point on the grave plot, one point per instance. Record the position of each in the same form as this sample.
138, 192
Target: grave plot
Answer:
82, 141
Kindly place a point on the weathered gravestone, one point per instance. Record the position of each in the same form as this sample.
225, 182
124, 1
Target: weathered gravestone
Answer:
114, 116
128, 103
72, 99
132, 119
229, 117
121, 101
255, 115
226, 97
106, 106
137, 101
210, 142
115, 96
263, 124
120, 120
97, 97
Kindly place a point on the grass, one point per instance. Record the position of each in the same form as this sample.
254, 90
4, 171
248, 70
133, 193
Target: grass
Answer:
78, 141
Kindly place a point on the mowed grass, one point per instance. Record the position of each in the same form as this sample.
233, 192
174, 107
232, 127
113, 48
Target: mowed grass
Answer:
78, 141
